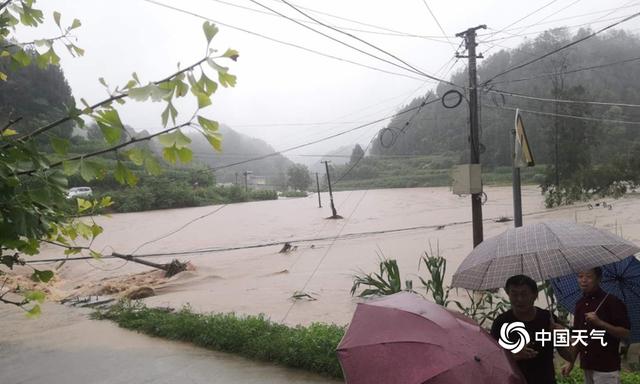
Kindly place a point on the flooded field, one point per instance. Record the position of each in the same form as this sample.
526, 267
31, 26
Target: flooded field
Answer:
237, 266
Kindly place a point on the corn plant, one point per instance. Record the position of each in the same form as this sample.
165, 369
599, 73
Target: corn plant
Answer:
385, 282
437, 267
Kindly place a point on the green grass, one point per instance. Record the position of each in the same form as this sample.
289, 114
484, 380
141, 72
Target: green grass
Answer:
311, 348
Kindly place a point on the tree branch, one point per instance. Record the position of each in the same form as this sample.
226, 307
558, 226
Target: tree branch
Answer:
103, 102
34, 41
65, 246
110, 149
9, 124
3, 5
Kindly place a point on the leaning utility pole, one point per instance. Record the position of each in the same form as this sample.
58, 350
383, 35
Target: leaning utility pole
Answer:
476, 198
333, 207
318, 185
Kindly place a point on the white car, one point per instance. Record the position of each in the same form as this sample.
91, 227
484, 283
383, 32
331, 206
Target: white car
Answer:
79, 192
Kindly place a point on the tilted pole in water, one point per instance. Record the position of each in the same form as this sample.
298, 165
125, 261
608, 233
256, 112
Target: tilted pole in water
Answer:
333, 207
318, 184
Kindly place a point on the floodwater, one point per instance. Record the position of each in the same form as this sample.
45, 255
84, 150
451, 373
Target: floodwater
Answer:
255, 278
64, 347
395, 223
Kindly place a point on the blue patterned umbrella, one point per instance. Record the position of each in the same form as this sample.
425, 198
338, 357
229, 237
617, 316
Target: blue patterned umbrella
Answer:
621, 279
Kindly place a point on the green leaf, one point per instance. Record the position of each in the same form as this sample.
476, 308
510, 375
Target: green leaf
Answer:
181, 140
34, 312
41, 276
83, 204
70, 167
75, 24
95, 255
177, 139
89, 170
9, 132
3, 76
136, 155
232, 54
181, 89
210, 30
60, 146
170, 111
150, 90
215, 140
110, 125
79, 51
41, 196
106, 202
185, 154
101, 80
203, 99
170, 154
96, 230
124, 176
38, 296
226, 79
152, 166
21, 58
209, 126
56, 17
207, 85
84, 230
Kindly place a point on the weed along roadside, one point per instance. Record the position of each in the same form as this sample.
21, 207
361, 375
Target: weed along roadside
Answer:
311, 348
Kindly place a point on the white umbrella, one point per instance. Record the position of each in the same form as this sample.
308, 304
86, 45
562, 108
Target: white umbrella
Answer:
540, 251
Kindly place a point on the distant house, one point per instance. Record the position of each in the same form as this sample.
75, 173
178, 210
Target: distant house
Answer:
258, 182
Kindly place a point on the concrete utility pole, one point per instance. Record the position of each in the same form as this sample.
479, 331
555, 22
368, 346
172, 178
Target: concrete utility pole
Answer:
246, 181
318, 184
333, 207
476, 198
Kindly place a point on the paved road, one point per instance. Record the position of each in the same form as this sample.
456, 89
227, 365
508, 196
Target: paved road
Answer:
64, 346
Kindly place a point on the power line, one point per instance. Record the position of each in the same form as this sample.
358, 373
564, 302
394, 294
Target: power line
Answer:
560, 48
280, 41
410, 68
437, 22
568, 27
395, 32
601, 120
522, 29
522, 18
519, 95
178, 229
390, 33
551, 74
564, 18
276, 153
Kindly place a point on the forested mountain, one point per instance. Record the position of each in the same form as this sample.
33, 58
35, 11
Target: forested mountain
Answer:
437, 130
36, 95
237, 147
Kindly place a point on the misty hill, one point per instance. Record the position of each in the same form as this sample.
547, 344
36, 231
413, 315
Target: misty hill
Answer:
436, 130
237, 147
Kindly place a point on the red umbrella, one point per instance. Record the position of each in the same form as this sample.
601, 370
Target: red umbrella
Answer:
405, 339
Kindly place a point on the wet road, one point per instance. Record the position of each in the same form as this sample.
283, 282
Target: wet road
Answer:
64, 346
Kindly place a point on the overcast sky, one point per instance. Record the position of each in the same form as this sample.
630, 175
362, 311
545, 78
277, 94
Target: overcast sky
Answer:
283, 90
